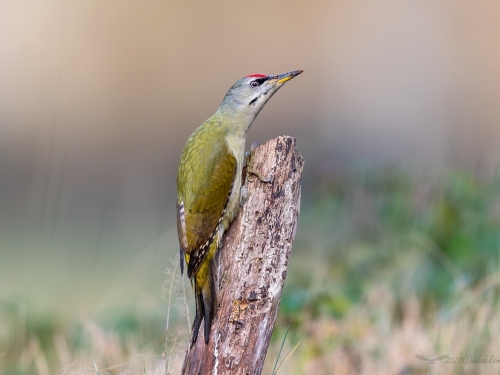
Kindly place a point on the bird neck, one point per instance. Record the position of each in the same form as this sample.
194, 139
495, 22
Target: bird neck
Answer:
235, 119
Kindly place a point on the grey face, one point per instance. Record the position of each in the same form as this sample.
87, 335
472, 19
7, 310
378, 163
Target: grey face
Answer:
250, 94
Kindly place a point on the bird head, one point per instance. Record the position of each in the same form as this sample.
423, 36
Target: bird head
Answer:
250, 94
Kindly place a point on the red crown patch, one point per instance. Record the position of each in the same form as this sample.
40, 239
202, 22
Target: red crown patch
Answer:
256, 76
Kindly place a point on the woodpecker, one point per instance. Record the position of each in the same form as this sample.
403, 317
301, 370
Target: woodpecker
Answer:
209, 184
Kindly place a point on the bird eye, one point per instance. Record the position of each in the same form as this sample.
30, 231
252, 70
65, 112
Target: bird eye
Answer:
254, 84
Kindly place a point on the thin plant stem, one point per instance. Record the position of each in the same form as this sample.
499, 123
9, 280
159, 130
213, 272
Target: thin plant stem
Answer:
168, 310
288, 355
282, 343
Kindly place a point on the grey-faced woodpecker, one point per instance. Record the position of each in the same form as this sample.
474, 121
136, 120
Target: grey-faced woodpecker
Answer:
209, 187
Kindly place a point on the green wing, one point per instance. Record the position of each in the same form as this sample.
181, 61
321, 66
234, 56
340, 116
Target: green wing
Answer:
204, 182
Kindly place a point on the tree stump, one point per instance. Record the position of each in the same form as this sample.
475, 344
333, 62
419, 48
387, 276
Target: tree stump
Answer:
252, 265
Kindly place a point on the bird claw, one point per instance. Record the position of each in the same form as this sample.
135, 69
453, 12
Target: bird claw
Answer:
254, 146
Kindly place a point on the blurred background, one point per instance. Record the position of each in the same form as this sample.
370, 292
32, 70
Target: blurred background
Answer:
396, 116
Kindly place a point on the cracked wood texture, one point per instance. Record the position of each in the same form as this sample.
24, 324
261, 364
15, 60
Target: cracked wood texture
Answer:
251, 266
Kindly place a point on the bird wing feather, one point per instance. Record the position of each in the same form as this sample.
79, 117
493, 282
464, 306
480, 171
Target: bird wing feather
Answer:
204, 182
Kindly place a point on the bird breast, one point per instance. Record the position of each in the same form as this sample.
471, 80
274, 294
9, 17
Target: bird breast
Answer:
236, 146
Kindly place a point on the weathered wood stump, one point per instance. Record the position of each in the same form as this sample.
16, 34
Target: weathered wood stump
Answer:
252, 265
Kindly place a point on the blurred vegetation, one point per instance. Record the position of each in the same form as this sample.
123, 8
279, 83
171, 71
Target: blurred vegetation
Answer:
378, 250
430, 236
434, 239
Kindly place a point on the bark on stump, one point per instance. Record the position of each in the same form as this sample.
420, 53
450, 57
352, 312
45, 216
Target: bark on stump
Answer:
252, 265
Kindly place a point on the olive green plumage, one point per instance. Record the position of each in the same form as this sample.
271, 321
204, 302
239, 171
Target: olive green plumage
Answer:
203, 188
204, 184
209, 184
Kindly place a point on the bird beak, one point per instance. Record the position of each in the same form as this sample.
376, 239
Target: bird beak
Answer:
282, 78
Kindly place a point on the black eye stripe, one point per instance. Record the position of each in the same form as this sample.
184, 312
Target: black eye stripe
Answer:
258, 81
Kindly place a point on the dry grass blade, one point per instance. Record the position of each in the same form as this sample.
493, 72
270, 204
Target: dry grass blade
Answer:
95, 366
170, 300
288, 355
104, 369
281, 348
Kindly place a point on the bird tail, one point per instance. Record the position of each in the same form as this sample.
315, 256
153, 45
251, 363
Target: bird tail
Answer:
205, 296
200, 312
